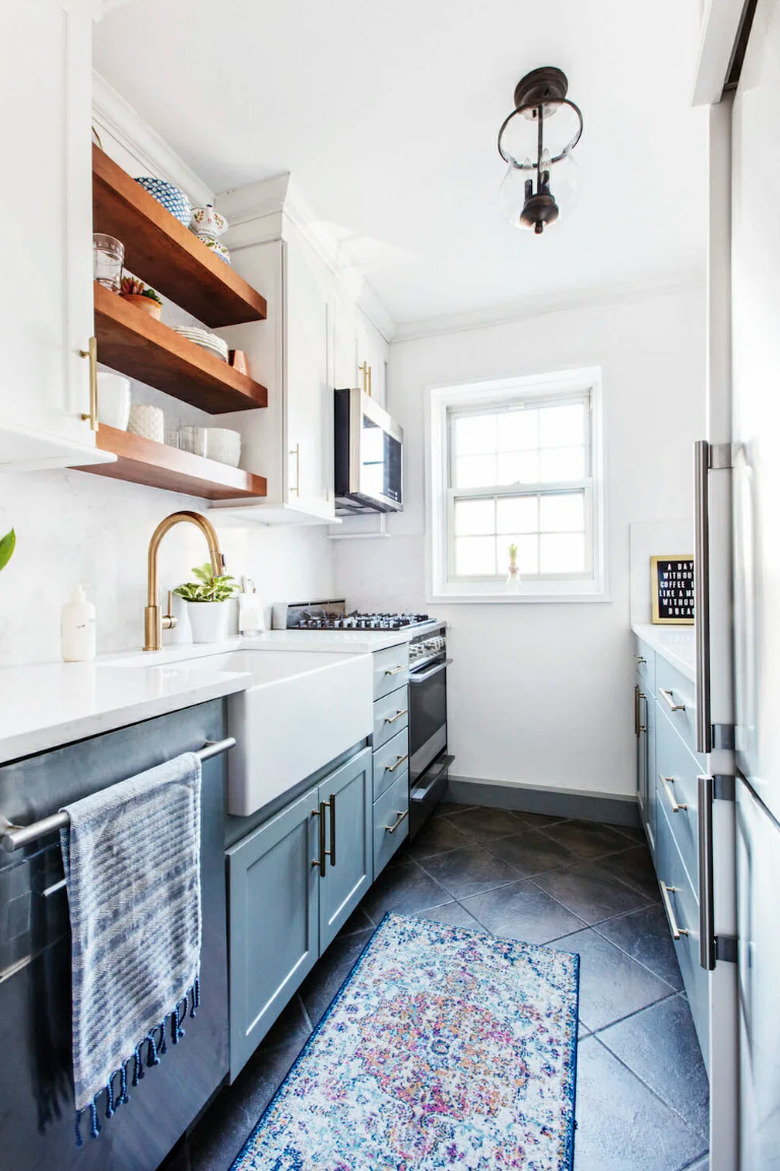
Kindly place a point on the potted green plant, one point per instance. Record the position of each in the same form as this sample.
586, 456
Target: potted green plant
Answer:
206, 598
7, 546
140, 295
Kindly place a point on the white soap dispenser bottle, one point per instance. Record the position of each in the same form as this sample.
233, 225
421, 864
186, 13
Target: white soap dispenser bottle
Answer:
79, 628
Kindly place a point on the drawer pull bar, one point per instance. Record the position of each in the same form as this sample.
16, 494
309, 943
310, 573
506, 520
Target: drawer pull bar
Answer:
390, 768
396, 670
677, 932
668, 698
666, 782
321, 861
331, 804
401, 815
397, 716
640, 659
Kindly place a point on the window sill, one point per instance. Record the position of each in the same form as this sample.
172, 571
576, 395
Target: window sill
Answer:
513, 599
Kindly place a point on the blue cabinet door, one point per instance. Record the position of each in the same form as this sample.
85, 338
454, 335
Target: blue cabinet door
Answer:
274, 930
345, 804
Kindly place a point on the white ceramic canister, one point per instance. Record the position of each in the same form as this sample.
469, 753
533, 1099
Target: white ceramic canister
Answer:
147, 421
113, 400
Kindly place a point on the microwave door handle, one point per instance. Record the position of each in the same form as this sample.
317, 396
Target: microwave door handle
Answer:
425, 675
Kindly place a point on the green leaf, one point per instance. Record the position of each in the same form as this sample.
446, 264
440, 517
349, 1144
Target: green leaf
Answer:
7, 546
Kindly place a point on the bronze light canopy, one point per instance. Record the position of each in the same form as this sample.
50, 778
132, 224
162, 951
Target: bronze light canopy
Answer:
536, 141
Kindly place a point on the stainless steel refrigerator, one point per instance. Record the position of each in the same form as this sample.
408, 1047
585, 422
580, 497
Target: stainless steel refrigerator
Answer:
738, 586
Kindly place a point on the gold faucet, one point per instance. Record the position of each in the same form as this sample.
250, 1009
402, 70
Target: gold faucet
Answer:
154, 620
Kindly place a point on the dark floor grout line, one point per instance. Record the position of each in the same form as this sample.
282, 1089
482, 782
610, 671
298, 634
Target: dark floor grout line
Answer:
628, 954
630, 1016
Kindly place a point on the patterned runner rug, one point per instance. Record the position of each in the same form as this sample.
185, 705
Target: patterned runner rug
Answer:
444, 1049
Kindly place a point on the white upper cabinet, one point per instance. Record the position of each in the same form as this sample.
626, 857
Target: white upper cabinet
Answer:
372, 354
361, 352
46, 206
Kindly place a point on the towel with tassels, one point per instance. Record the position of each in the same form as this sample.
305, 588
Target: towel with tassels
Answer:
132, 867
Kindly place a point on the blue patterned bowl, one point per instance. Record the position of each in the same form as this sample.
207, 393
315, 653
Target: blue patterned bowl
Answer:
169, 195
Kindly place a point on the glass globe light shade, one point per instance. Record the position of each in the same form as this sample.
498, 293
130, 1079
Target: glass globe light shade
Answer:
564, 186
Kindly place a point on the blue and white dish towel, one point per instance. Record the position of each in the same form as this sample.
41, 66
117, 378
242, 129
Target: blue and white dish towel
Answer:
132, 866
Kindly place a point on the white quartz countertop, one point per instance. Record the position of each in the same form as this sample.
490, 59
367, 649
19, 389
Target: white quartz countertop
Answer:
48, 704
676, 644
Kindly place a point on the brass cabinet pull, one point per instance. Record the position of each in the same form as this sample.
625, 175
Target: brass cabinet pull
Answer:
392, 767
396, 670
668, 698
91, 353
296, 451
365, 373
331, 804
390, 829
397, 716
666, 782
677, 932
640, 659
320, 862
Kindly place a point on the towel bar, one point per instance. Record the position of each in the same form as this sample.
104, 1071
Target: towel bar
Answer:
13, 837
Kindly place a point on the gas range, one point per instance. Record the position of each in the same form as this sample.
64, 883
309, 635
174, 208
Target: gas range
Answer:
333, 615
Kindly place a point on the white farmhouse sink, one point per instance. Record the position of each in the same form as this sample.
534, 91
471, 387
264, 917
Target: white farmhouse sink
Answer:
303, 709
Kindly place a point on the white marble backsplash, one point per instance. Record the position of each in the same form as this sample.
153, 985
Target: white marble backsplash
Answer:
76, 527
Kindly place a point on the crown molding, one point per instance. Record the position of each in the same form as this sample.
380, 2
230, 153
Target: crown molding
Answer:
535, 306
117, 118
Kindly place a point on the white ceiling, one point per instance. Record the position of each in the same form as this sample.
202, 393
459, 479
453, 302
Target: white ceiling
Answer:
387, 115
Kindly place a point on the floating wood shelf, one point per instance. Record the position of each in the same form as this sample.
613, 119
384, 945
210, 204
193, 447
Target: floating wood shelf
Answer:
134, 343
142, 461
165, 253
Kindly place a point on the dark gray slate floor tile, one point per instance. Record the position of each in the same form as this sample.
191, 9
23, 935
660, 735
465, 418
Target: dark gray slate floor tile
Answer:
591, 892
612, 986
699, 1165
522, 911
661, 1047
330, 972
621, 1125
405, 889
634, 867
531, 852
359, 920
291, 1024
588, 839
485, 822
452, 914
644, 935
469, 870
436, 836
635, 832
538, 820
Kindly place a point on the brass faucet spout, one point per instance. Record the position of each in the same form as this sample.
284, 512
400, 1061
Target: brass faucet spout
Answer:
154, 621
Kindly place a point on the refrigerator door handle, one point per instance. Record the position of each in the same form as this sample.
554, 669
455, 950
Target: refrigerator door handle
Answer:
701, 596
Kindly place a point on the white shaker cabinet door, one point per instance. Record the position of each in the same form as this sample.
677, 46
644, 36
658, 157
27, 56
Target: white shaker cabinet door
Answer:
372, 353
46, 314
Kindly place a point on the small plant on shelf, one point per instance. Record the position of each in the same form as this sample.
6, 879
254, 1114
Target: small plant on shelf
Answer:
141, 295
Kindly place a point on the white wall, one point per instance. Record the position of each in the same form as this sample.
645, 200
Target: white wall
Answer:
541, 694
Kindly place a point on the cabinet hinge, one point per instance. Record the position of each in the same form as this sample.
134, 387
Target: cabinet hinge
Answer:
726, 948
723, 736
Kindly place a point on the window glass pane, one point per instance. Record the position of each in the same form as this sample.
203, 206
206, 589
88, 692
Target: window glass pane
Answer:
562, 426
475, 556
561, 463
517, 514
475, 517
517, 430
527, 552
562, 553
517, 467
475, 471
562, 513
475, 434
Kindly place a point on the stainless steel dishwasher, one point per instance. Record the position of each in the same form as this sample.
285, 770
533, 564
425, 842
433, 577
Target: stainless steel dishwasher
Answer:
36, 1090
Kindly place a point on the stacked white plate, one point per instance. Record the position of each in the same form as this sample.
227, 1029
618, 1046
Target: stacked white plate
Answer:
208, 341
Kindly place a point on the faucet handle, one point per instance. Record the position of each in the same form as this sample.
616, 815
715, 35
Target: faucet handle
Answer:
168, 620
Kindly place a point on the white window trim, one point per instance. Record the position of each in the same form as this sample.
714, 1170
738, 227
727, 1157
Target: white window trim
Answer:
439, 587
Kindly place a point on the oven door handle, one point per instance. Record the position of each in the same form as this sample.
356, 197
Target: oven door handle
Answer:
424, 675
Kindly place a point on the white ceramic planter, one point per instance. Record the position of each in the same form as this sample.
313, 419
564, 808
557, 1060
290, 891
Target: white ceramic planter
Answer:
210, 621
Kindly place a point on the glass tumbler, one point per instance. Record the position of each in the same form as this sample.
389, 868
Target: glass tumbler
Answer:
194, 439
108, 257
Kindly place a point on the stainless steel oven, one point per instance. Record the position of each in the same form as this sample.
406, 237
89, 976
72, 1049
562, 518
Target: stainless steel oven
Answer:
429, 759
368, 456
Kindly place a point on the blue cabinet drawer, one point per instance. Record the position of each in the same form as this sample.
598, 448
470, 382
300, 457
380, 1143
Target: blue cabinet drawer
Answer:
676, 696
391, 669
677, 792
644, 659
682, 909
391, 716
389, 762
391, 822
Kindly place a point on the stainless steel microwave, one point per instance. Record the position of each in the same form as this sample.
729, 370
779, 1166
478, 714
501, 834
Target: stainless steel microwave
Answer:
368, 456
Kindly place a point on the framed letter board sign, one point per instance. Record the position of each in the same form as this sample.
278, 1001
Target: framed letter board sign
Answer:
671, 580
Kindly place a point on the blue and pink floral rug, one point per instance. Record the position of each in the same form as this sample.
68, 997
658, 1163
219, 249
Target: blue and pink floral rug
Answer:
444, 1049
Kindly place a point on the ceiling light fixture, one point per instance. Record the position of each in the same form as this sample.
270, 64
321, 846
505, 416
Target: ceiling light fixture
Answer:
545, 127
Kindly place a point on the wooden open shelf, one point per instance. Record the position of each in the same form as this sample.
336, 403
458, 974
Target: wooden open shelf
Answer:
137, 345
143, 461
165, 254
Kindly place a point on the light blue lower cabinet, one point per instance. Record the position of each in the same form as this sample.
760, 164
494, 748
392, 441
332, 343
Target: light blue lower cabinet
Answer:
350, 874
391, 821
273, 922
